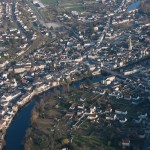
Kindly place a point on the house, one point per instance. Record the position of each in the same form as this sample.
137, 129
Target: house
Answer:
80, 112
15, 108
108, 109
119, 112
70, 114
23, 80
10, 112
5, 75
111, 117
136, 98
141, 134
126, 142
119, 96
4, 104
92, 116
108, 80
1, 136
136, 102
123, 120
102, 92
73, 106
64, 149
82, 99
6, 118
127, 97
2, 112
113, 94
137, 120
19, 69
142, 115
81, 107
2, 124
2, 64
92, 109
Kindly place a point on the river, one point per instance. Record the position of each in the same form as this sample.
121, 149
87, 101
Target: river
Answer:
16, 132
134, 5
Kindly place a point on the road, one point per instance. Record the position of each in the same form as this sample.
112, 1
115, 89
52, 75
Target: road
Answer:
123, 77
39, 16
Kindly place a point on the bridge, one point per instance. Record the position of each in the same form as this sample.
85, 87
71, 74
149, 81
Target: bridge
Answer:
113, 73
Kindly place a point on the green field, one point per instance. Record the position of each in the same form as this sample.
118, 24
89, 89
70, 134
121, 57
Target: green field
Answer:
49, 2
68, 5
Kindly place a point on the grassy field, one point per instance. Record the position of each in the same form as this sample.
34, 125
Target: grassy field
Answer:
76, 7
49, 2
90, 142
68, 5
52, 124
64, 2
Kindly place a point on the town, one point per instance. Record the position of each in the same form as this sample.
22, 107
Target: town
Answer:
48, 45
93, 116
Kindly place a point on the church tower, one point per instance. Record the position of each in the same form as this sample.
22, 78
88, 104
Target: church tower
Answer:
130, 44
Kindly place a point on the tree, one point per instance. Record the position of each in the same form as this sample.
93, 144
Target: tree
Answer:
34, 116
43, 141
68, 81
51, 28
41, 107
109, 143
65, 141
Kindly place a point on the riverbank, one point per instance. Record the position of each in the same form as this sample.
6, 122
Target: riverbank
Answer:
23, 102
52, 109
43, 88
87, 118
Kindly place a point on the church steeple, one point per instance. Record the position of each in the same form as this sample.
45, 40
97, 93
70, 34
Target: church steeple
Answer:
130, 43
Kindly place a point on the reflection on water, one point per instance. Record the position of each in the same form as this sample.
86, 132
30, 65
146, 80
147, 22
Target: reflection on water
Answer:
134, 5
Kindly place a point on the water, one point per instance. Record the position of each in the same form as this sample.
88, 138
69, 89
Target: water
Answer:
134, 5
17, 130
